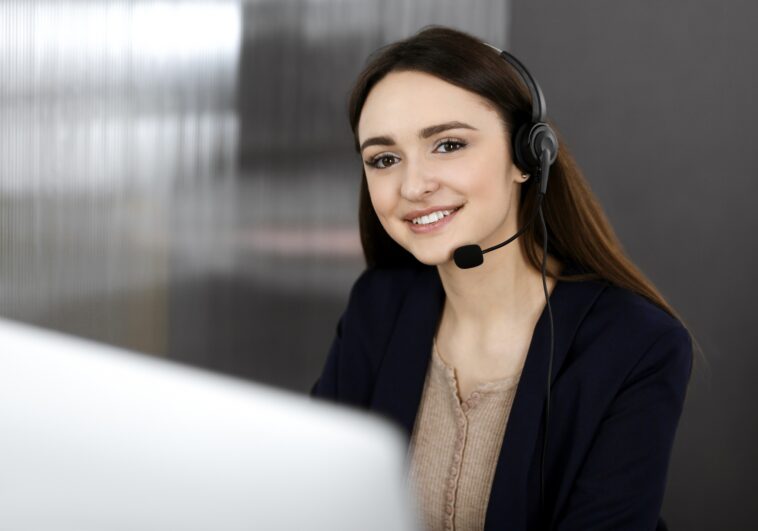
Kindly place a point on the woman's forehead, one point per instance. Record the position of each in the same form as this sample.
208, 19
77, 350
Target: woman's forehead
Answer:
407, 101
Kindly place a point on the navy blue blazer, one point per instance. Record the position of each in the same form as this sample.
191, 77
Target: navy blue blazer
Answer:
620, 372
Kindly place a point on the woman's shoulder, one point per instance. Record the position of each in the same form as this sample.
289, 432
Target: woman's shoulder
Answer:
384, 287
626, 329
378, 294
626, 313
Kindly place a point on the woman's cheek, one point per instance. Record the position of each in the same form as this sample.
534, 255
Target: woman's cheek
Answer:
381, 198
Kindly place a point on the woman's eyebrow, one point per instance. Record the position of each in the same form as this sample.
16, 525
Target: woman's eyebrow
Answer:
426, 132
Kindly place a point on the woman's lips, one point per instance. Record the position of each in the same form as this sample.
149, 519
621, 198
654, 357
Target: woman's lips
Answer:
433, 227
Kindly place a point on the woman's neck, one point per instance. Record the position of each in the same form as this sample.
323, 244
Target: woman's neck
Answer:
504, 293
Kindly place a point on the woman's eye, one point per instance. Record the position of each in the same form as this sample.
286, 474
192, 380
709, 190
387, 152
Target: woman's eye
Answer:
380, 162
451, 145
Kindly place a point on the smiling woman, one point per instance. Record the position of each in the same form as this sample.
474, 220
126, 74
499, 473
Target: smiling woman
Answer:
422, 159
458, 357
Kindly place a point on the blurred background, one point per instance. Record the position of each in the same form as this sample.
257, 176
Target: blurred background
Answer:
178, 178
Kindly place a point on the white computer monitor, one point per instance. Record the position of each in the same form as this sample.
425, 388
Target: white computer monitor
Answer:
94, 438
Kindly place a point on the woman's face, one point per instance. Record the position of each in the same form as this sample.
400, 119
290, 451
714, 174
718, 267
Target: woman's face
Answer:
430, 146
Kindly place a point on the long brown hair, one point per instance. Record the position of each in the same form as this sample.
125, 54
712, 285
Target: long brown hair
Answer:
578, 230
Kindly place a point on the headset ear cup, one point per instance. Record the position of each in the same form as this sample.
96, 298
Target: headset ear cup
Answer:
521, 149
541, 134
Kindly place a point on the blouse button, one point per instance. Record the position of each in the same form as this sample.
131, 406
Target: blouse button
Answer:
449, 496
453, 471
456, 459
465, 406
449, 509
475, 395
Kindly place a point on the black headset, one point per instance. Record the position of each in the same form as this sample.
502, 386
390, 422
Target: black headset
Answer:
535, 148
533, 139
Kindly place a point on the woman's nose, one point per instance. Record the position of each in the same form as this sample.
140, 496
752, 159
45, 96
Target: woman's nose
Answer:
418, 182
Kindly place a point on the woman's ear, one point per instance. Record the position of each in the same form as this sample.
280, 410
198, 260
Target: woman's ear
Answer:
516, 174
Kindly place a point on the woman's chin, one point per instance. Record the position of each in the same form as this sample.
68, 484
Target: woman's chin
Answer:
435, 257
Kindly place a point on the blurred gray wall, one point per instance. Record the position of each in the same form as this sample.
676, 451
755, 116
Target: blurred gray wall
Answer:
178, 178
115, 119
656, 101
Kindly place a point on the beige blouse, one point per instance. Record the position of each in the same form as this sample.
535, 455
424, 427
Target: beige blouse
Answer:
455, 446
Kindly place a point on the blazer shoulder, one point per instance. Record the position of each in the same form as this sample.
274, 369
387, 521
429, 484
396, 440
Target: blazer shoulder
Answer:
633, 328
627, 313
377, 292
375, 301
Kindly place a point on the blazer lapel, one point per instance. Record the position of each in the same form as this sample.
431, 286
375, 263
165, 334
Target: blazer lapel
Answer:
570, 302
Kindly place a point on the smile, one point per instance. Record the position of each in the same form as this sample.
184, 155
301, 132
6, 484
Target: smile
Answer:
432, 222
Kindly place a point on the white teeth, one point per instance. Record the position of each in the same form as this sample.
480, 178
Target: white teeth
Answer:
431, 218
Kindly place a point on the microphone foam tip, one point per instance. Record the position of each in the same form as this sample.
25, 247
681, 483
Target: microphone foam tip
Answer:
468, 256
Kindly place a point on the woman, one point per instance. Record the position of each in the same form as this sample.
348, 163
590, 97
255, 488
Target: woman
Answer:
460, 357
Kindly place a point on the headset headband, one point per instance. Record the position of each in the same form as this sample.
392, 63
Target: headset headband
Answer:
539, 109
